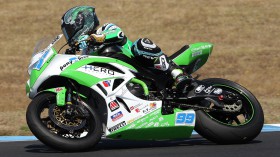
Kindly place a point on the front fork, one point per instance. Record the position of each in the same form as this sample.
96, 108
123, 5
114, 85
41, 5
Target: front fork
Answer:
63, 95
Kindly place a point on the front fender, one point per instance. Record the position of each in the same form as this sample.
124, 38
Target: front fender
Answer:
60, 94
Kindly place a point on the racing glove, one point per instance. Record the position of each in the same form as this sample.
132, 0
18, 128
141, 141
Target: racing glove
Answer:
82, 42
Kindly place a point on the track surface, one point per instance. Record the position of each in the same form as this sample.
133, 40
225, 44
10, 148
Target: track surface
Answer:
265, 145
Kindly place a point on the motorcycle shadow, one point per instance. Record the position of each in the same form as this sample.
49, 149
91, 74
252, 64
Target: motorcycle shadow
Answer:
113, 144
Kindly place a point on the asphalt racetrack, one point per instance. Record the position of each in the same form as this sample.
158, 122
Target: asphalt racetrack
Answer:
267, 144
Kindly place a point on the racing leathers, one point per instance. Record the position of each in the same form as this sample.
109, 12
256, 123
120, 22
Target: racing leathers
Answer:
144, 51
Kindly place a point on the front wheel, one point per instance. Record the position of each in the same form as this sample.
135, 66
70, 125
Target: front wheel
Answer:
231, 128
52, 126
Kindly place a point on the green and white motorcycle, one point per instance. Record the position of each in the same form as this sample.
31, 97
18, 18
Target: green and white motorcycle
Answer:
77, 99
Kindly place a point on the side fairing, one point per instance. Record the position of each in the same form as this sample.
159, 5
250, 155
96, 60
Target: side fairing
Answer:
154, 125
76, 67
126, 113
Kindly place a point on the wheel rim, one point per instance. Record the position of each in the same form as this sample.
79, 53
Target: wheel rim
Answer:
242, 117
55, 127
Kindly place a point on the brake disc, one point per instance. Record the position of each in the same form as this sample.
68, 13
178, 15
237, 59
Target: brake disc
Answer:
71, 123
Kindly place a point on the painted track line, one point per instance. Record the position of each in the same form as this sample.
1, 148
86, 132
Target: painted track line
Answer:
266, 128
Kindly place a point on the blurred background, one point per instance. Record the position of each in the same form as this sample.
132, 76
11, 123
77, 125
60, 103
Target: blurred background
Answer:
245, 34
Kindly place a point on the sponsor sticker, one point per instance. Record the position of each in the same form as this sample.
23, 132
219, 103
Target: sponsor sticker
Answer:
107, 83
71, 61
117, 116
58, 89
199, 88
218, 91
113, 105
96, 69
133, 107
152, 106
118, 126
209, 90
194, 54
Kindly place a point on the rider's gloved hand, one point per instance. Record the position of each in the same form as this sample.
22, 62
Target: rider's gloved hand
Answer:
97, 38
83, 42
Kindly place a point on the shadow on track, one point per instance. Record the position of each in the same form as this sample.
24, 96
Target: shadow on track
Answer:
110, 144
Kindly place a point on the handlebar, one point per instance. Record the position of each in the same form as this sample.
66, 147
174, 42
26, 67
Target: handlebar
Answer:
94, 41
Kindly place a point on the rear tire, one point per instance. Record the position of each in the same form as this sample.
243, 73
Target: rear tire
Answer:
215, 128
40, 127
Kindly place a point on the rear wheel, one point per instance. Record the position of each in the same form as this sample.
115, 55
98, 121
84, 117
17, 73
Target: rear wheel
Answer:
231, 127
51, 125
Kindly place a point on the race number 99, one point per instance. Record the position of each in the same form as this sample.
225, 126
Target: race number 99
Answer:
185, 118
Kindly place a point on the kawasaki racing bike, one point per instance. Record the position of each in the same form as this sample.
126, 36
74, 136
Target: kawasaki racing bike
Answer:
77, 99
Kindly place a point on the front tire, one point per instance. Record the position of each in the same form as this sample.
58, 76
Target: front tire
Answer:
224, 128
49, 132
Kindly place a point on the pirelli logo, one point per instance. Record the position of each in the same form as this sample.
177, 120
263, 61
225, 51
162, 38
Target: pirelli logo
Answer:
118, 126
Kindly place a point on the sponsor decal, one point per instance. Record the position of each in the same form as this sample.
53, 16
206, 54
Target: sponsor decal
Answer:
133, 119
118, 126
199, 88
106, 83
137, 110
133, 107
160, 119
194, 54
151, 107
117, 116
156, 124
91, 68
145, 110
150, 124
120, 35
58, 89
142, 125
131, 126
113, 105
154, 118
165, 124
201, 48
209, 90
218, 91
71, 61
183, 118
163, 64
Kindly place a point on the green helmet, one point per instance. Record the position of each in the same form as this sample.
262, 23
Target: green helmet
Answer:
78, 21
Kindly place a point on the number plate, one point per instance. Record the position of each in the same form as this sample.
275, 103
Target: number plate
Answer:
185, 118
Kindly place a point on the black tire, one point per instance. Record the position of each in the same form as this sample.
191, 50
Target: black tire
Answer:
212, 126
56, 141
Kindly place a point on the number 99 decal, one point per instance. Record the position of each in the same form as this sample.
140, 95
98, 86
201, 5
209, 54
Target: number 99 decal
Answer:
186, 118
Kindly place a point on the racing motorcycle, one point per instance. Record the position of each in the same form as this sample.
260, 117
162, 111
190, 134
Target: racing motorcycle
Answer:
77, 99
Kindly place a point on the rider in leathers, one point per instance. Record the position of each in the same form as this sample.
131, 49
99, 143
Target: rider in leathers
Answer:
79, 26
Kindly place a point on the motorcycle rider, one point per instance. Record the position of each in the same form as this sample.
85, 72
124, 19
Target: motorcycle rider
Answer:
79, 26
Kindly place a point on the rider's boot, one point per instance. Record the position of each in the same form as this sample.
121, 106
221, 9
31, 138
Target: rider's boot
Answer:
182, 81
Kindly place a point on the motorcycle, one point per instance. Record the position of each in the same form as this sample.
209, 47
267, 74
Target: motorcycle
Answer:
77, 99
